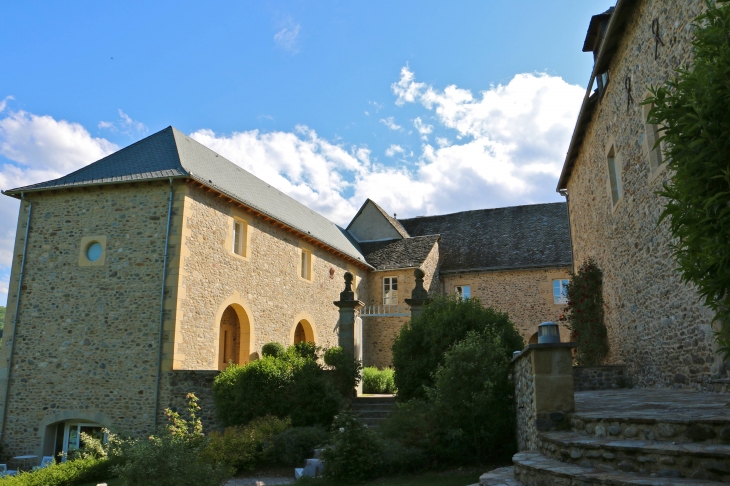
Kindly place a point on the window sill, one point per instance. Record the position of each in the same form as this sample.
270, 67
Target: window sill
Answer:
246, 257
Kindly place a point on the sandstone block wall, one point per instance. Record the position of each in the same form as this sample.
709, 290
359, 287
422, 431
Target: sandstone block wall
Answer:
87, 336
526, 295
266, 284
380, 332
656, 325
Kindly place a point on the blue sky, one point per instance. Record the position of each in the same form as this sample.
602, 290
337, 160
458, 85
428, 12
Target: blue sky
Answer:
427, 107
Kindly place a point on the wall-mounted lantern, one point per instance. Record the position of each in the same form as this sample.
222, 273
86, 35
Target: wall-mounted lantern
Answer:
548, 333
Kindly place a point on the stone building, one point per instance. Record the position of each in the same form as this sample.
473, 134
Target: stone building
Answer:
135, 279
656, 324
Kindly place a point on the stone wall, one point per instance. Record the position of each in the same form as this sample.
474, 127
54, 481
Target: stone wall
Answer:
524, 402
265, 285
380, 332
600, 377
526, 295
656, 325
87, 335
174, 388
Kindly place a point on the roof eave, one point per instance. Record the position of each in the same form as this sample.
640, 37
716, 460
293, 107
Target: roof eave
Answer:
15, 193
603, 58
536, 266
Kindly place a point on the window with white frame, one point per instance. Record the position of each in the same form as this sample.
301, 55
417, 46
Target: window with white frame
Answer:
614, 177
560, 291
652, 141
305, 266
239, 237
390, 290
463, 291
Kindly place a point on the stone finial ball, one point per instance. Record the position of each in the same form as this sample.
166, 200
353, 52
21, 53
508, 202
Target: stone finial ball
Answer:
348, 277
419, 273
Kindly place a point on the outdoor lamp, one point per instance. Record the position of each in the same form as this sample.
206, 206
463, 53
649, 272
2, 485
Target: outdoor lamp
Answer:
548, 333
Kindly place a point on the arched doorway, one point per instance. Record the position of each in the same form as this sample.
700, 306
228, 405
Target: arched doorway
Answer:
303, 332
63, 439
533, 339
233, 337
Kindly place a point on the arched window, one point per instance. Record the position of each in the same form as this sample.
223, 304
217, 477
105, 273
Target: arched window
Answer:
299, 334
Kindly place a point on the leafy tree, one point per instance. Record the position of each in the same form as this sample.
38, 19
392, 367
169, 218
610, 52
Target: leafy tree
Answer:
693, 110
2, 317
420, 346
584, 314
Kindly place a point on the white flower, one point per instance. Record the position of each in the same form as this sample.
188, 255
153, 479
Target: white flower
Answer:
342, 429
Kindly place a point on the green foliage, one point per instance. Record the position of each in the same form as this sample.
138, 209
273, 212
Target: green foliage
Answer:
378, 381
293, 385
2, 317
346, 370
273, 349
354, 453
243, 447
69, 473
471, 400
294, 445
584, 314
420, 346
173, 457
692, 109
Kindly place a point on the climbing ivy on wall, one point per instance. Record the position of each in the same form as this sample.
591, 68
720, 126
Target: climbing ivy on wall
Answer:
584, 314
693, 110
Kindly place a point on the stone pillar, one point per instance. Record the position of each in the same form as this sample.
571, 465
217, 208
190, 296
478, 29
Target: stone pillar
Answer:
419, 296
543, 377
346, 323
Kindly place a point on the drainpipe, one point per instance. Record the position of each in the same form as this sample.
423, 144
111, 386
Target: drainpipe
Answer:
162, 307
15, 317
564, 192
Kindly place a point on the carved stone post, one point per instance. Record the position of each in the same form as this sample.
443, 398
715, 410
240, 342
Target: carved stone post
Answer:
346, 323
419, 296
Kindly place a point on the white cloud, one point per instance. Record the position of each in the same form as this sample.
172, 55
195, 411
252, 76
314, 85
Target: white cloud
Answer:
406, 89
287, 37
125, 125
390, 123
394, 149
423, 128
4, 103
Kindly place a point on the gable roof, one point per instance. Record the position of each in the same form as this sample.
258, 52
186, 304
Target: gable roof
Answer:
405, 253
531, 236
172, 154
393, 222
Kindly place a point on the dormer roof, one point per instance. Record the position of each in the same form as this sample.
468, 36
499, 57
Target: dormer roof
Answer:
373, 223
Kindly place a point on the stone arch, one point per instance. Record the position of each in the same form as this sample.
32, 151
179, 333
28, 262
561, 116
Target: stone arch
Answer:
303, 328
48, 433
533, 339
235, 317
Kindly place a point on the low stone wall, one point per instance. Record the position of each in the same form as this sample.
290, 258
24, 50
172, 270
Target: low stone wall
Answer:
524, 402
175, 385
599, 377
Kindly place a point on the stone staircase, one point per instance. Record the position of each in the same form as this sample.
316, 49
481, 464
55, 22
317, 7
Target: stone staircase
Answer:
629, 437
372, 410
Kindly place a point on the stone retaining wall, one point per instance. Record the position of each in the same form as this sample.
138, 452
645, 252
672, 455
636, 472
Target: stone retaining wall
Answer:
599, 377
174, 387
524, 403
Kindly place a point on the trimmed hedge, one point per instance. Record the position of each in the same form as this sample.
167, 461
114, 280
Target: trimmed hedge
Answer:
69, 473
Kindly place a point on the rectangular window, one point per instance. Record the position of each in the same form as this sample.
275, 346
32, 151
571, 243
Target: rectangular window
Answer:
463, 291
560, 291
614, 178
652, 137
306, 265
390, 290
239, 237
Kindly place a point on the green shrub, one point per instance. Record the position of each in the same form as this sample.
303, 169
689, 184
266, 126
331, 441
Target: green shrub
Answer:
346, 371
354, 453
272, 349
412, 424
420, 346
293, 385
69, 473
692, 110
471, 401
244, 447
293, 446
378, 381
584, 314
173, 457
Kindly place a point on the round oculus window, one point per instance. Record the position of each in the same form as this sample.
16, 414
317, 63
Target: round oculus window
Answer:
93, 251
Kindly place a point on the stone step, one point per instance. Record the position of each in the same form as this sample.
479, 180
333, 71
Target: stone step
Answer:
535, 469
710, 431
390, 399
676, 459
504, 476
373, 413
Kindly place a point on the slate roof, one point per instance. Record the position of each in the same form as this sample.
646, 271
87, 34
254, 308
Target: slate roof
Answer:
531, 236
405, 253
172, 154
